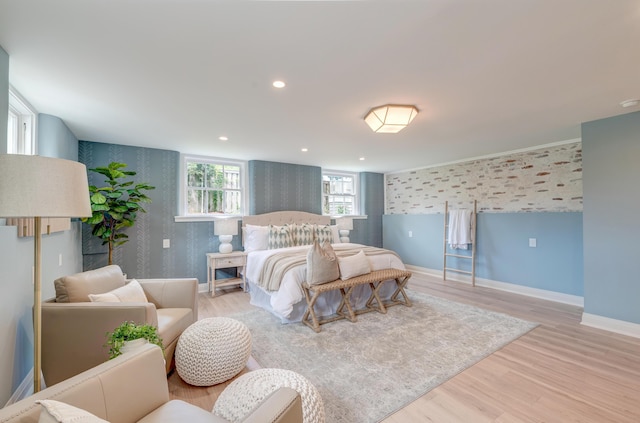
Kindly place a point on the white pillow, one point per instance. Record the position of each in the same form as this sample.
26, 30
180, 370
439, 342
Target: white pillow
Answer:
59, 412
256, 237
336, 234
322, 264
353, 266
130, 293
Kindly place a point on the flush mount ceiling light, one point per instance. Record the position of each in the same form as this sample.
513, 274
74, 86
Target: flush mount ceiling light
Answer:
390, 118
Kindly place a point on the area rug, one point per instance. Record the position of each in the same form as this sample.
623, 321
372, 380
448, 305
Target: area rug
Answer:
367, 370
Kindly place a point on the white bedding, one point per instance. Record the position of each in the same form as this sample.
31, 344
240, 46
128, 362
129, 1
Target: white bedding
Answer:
288, 302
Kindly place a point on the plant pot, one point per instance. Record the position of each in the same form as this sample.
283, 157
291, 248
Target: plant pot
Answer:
132, 345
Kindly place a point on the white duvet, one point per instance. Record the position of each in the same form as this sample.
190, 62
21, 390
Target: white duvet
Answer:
283, 301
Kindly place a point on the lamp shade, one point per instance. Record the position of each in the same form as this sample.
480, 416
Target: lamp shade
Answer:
33, 186
225, 227
345, 223
390, 118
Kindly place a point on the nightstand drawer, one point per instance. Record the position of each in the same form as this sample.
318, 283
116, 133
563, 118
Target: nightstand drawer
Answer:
223, 262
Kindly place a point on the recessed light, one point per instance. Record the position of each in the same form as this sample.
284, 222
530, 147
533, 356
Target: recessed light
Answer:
304, 150
279, 84
361, 158
630, 103
223, 138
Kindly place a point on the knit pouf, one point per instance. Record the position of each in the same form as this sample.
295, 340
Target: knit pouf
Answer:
245, 393
212, 350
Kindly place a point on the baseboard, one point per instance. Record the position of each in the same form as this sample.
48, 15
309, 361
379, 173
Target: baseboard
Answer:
24, 390
505, 286
612, 325
203, 287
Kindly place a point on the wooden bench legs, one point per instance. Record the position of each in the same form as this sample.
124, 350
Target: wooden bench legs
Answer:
345, 310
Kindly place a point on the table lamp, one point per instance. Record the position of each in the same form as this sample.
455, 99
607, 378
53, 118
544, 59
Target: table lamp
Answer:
225, 229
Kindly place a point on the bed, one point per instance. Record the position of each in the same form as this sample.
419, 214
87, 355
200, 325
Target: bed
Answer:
284, 297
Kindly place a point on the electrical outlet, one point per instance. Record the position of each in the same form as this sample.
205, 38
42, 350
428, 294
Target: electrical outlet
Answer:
166, 243
532, 242
60, 259
410, 234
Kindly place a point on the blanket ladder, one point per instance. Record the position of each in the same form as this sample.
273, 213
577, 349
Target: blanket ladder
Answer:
471, 257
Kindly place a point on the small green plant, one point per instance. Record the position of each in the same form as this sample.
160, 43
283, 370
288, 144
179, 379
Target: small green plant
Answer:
128, 331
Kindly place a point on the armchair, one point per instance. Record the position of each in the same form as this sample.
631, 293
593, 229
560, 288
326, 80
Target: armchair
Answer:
74, 329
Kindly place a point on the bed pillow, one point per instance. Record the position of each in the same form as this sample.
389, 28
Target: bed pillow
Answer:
130, 293
256, 237
56, 411
353, 266
322, 264
323, 233
279, 237
301, 233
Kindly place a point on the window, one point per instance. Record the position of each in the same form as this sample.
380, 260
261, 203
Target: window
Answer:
21, 125
339, 193
212, 186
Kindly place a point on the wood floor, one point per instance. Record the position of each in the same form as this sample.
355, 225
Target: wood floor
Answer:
561, 371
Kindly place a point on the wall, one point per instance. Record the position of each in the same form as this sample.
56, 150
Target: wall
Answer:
284, 186
611, 229
4, 98
369, 231
16, 264
143, 256
532, 194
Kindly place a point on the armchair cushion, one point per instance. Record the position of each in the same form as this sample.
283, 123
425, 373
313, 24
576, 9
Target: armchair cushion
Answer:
76, 288
132, 292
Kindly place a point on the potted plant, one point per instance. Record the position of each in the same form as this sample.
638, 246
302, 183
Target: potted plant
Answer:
130, 331
115, 206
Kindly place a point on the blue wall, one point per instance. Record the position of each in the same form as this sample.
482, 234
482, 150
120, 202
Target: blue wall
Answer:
55, 139
611, 149
502, 252
4, 98
369, 231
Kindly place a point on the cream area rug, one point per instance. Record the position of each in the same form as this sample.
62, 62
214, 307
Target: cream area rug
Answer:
367, 370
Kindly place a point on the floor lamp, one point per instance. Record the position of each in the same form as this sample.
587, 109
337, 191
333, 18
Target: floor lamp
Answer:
37, 187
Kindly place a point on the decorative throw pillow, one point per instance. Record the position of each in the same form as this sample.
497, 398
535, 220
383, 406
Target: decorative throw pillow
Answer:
323, 233
59, 412
353, 266
256, 237
322, 264
301, 233
130, 293
279, 237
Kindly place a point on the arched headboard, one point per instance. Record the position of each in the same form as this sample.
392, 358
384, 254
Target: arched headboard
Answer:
280, 218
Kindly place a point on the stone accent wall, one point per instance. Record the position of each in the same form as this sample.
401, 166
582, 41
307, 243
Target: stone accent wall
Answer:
544, 180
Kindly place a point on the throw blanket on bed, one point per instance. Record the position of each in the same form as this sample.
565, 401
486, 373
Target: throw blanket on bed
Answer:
276, 265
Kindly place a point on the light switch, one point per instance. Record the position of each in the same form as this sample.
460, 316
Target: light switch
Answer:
166, 243
532, 242
410, 234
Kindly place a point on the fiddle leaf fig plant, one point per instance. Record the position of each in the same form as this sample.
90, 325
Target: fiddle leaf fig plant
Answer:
115, 205
129, 331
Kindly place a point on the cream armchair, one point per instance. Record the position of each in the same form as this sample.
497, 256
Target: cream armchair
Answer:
74, 329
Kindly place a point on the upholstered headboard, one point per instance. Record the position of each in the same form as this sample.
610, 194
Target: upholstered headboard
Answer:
280, 218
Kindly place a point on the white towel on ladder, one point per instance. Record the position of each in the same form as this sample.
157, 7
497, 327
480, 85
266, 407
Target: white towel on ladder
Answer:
460, 229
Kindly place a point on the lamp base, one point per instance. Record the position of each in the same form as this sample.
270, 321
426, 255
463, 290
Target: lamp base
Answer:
344, 235
225, 244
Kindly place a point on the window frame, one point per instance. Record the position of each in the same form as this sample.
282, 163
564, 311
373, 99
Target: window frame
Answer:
356, 191
183, 214
24, 118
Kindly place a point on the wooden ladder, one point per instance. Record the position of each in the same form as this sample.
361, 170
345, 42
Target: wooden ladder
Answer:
471, 257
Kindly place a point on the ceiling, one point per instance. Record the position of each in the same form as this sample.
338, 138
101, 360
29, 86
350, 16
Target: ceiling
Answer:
487, 76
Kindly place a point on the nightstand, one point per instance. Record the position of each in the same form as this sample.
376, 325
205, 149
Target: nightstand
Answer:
237, 259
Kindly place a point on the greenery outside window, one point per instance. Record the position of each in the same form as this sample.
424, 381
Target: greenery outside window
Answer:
213, 187
339, 193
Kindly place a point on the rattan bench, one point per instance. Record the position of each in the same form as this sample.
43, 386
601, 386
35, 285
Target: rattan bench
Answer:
374, 279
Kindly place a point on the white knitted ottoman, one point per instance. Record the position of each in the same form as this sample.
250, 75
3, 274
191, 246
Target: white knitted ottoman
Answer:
245, 393
212, 350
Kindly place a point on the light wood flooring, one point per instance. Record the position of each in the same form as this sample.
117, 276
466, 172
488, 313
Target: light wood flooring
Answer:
561, 371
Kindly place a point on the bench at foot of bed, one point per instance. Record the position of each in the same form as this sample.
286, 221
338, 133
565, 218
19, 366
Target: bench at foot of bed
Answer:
374, 279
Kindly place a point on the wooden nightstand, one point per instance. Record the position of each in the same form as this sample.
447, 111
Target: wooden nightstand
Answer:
237, 259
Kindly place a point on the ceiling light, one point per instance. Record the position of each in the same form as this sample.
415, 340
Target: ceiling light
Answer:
223, 138
630, 103
361, 158
390, 118
279, 84
304, 150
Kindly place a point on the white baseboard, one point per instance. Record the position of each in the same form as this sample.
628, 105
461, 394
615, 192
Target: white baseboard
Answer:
505, 286
24, 390
203, 287
612, 325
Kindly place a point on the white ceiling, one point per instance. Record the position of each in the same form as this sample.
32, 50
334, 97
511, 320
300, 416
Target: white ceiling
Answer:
487, 76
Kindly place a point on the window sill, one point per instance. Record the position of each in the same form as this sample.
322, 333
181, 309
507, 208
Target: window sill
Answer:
209, 218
